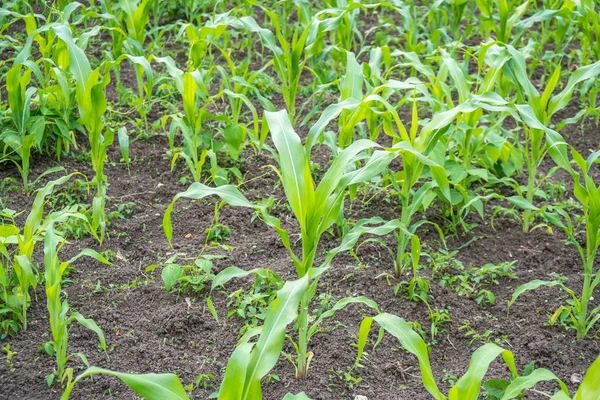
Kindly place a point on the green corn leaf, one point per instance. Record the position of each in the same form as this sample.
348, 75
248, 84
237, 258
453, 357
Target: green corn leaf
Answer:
37, 209
364, 227
90, 253
22, 267
518, 385
295, 170
363, 335
560, 396
340, 304
172, 69
149, 386
531, 286
562, 99
78, 62
190, 88
230, 273
413, 343
351, 85
329, 114
211, 308
232, 196
235, 373
458, 76
469, 385
282, 311
438, 171
550, 86
143, 62
557, 147
521, 203
415, 251
516, 70
332, 178
124, 144
228, 193
91, 325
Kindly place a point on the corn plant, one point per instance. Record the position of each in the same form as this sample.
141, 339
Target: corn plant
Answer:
196, 140
422, 153
587, 192
315, 209
340, 22
144, 96
457, 10
18, 274
136, 21
289, 57
544, 107
508, 15
60, 314
587, 21
115, 27
25, 130
55, 91
57, 102
91, 102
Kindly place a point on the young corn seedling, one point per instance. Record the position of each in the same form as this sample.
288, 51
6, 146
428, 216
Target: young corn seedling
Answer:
587, 192
194, 92
60, 314
587, 20
144, 97
316, 208
91, 102
136, 20
17, 269
288, 60
457, 10
27, 130
543, 107
508, 15
57, 104
340, 23
236, 86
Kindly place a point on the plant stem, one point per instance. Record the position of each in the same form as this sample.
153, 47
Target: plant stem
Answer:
532, 169
405, 218
585, 298
588, 269
302, 338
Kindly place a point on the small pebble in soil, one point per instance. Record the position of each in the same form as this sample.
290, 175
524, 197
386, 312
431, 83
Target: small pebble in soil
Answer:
360, 397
